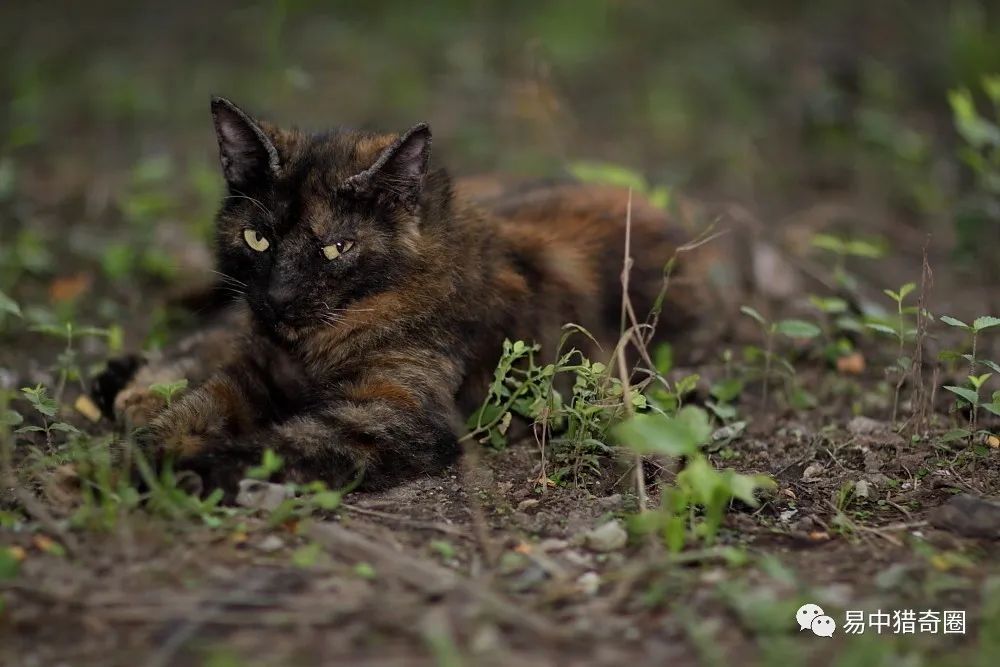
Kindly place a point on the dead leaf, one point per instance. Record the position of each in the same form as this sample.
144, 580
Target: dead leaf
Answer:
69, 288
86, 407
17, 553
523, 548
46, 544
993, 441
819, 536
851, 364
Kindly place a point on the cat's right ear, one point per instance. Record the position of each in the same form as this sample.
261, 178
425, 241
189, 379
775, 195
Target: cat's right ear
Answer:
249, 158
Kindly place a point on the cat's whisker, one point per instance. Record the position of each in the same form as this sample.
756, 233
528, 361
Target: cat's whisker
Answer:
256, 202
228, 278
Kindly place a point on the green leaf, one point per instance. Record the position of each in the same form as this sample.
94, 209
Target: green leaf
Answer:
9, 306
956, 434
980, 380
830, 305
686, 384
611, 174
9, 564
906, 289
727, 390
970, 396
990, 365
660, 434
664, 358
992, 407
881, 328
951, 321
830, 243
306, 556
798, 329
10, 418
747, 310
745, 487
985, 322
63, 427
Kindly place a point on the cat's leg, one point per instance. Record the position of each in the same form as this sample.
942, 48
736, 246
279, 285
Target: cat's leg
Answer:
385, 425
123, 390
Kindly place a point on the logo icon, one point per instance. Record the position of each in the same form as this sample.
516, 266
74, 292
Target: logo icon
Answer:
812, 617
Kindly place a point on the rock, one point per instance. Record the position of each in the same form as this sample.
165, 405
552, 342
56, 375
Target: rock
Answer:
970, 516
867, 426
527, 503
552, 544
812, 471
608, 537
609, 503
589, 583
270, 544
258, 495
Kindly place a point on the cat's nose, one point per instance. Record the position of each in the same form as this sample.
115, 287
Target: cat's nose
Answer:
280, 297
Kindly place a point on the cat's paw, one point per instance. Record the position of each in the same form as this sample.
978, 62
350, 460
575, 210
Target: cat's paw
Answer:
110, 382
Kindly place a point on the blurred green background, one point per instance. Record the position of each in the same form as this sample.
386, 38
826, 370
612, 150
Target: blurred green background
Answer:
778, 105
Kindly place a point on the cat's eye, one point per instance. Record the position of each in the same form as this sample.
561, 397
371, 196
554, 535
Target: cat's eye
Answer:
337, 249
255, 240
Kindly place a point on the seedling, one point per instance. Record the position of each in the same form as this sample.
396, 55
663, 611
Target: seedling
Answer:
698, 484
169, 390
795, 329
902, 331
47, 408
972, 396
8, 307
67, 363
841, 248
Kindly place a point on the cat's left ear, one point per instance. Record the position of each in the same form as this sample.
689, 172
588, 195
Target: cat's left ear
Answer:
398, 173
249, 158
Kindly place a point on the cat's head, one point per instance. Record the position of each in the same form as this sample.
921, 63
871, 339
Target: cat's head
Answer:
314, 223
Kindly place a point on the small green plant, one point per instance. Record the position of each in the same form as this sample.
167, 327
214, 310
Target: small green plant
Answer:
613, 174
978, 213
523, 387
794, 329
270, 464
902, 330
8, 308
47, 408
842, 248
68, 362
971, 394
169, 390
694, 506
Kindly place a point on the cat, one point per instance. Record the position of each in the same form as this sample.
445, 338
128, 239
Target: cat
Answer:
373, 298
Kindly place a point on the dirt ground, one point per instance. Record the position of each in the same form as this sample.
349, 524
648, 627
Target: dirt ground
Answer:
107, 185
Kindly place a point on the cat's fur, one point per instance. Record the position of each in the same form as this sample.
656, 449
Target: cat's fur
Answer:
366, 365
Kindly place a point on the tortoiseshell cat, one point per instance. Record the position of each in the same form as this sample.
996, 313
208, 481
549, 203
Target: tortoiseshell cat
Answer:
376, 296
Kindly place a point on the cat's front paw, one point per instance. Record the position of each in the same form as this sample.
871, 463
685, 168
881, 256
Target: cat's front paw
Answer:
110, 382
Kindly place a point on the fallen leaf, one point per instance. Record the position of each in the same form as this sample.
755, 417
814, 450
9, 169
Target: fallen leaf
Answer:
70, 287
819, 536
46, 544
523, 548
851, 364
86, 407
17, 553
788, 493
993, 441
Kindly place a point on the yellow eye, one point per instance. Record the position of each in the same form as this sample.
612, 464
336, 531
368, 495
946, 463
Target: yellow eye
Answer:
255, 240
337, 249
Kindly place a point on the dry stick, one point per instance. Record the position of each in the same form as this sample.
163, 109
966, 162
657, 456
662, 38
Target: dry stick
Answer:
640, 475
922, 409
414, 523
429, 578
